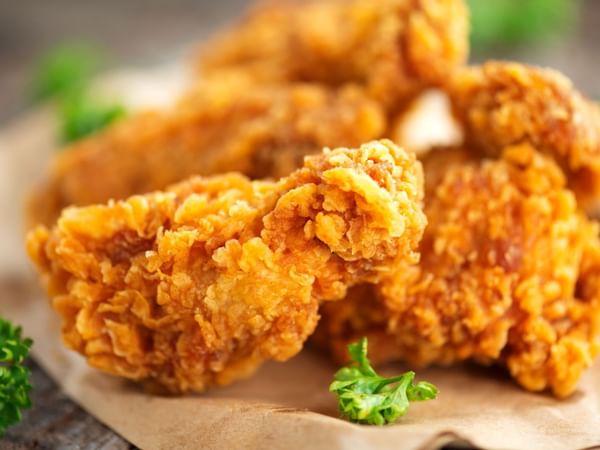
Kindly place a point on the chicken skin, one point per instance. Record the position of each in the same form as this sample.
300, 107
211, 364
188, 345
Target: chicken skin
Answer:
508, 275
394, 48
220, 125
502, 103
197, 285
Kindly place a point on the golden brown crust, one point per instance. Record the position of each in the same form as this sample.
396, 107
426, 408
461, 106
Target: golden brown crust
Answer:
199, 284
394, 48
502, 103
359, 314
508, 275
221, 125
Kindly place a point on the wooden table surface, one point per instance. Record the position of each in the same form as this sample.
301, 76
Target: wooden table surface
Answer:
55, 422
27, 28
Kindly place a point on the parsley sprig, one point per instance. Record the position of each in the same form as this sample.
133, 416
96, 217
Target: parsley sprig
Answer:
511, 23
82, 114
368, 398
65, 69
65, 75
14, 377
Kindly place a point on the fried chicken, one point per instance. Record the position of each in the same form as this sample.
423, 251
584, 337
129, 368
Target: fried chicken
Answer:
221, 125
199, 284
508, 275
502, 103
395, 48
362, 56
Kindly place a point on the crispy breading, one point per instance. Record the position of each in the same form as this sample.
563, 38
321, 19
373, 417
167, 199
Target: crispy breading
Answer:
359, 314
220, 125
199, 284
393, 47
503, 103
508, 275
438, 160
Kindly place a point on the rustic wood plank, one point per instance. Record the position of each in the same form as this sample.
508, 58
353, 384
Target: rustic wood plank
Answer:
55, 422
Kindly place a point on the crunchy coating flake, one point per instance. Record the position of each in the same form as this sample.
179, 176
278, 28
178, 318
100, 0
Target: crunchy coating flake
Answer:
199, 284
221, 125
508, 275
393, 47
502, 103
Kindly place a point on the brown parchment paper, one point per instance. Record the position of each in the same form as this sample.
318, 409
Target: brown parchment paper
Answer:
285, 405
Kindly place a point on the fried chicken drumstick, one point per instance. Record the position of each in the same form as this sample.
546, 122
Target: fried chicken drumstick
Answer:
199, 284
508, 275
395, 48
502, 103
219, 126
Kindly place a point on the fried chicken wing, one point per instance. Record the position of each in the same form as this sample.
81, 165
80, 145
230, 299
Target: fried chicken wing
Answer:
508, 275
503, 103
393, 47
221, 125
199, 284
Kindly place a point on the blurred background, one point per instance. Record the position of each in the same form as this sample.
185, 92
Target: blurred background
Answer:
564, 34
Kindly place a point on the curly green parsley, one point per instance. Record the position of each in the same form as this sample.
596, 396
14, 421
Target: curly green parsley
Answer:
65, 75
368, 398
14, 377
82, 115
509, 23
